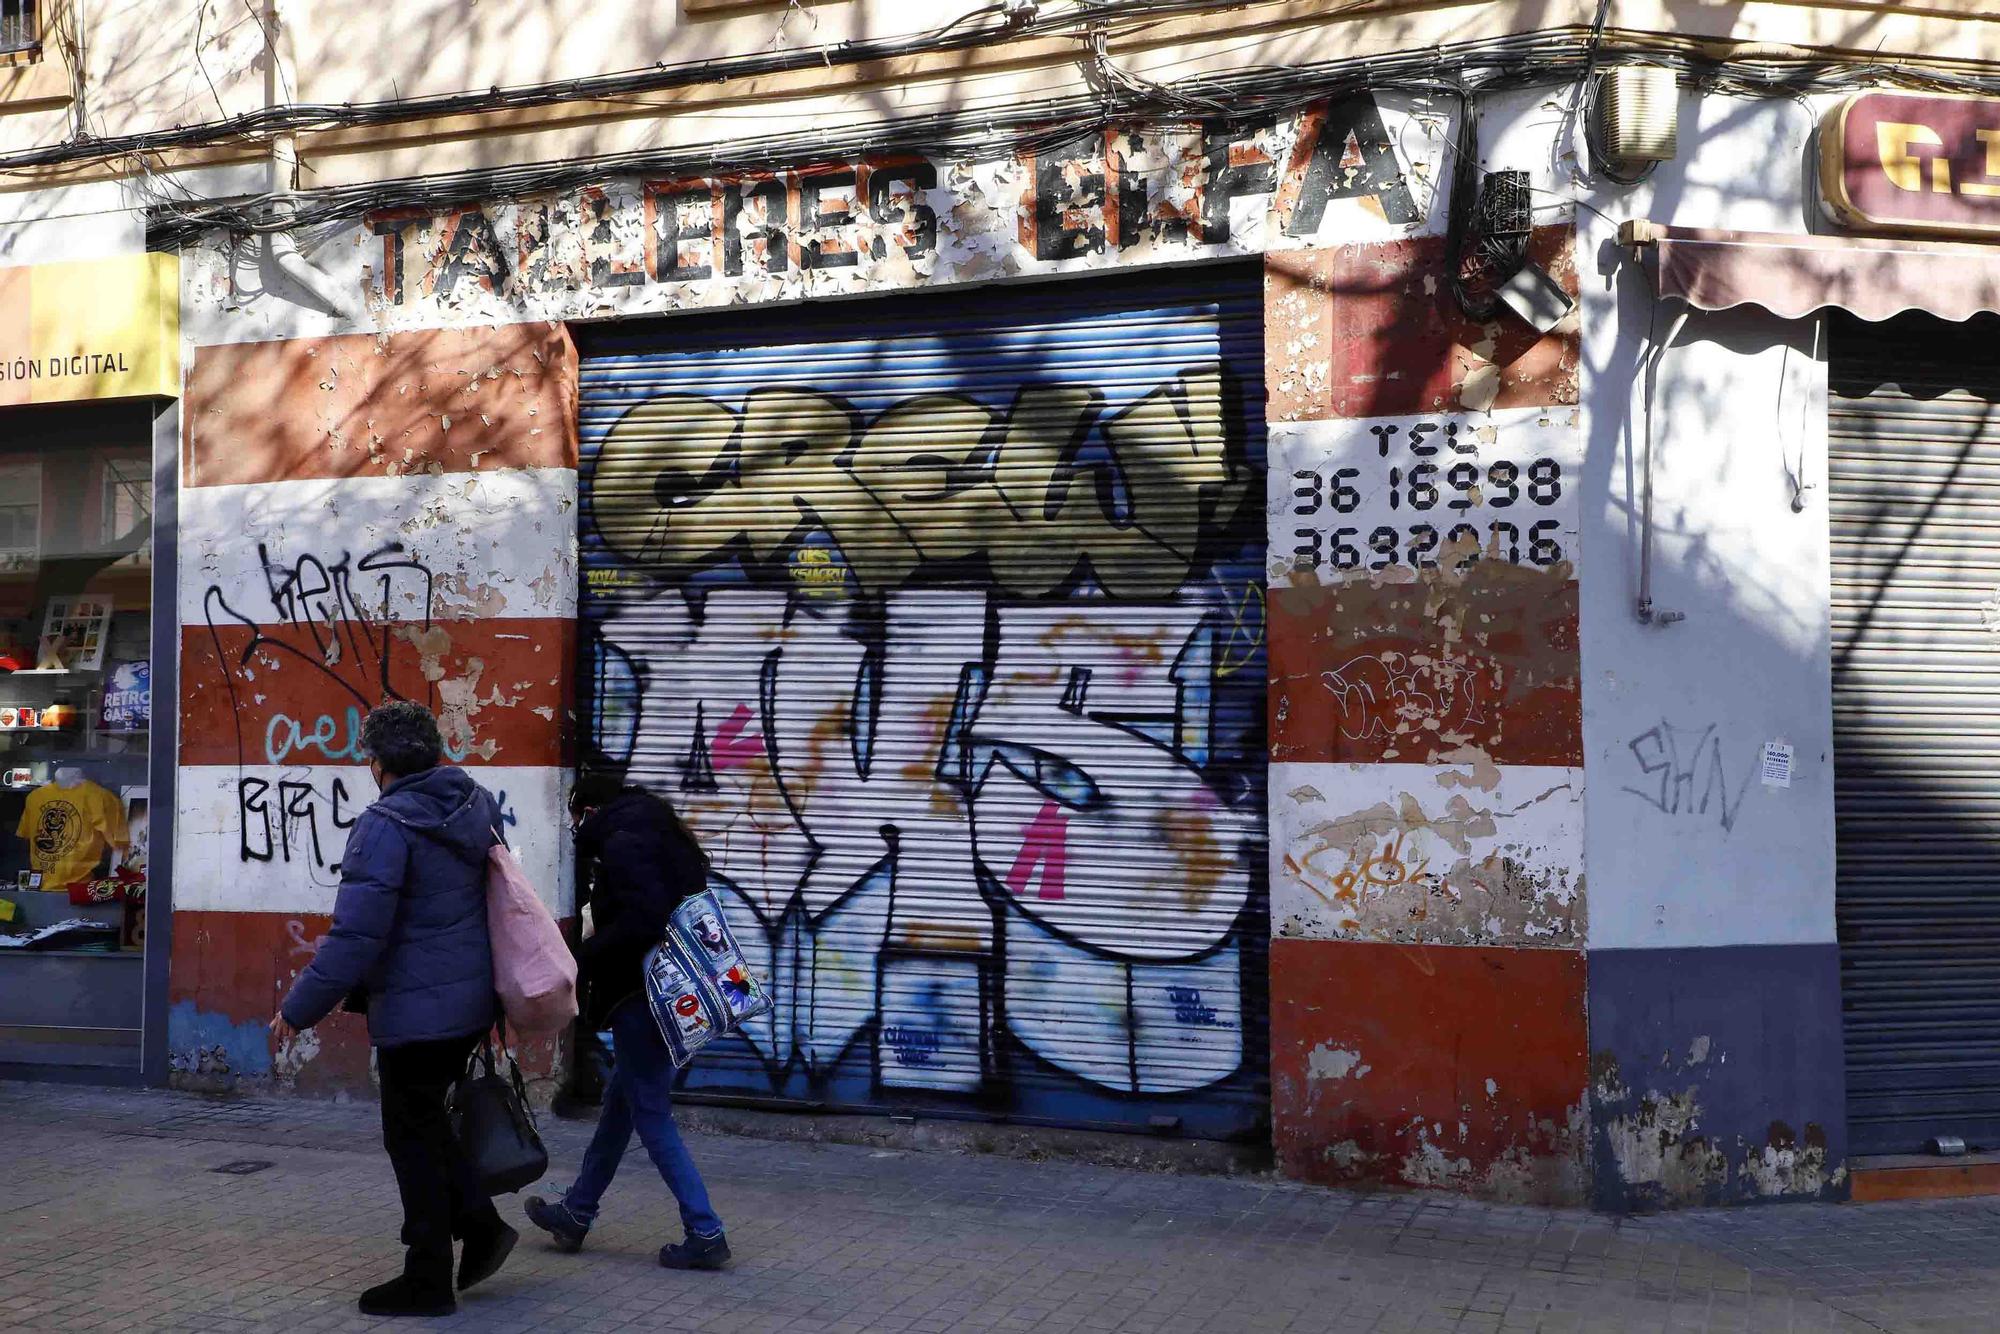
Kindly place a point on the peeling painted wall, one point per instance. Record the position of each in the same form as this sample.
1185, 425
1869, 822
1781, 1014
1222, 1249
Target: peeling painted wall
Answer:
385, 501
1429, 906
1449, 853
361, 519
1449, 1068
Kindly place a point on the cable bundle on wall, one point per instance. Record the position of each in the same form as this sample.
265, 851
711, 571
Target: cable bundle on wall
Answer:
1460, 70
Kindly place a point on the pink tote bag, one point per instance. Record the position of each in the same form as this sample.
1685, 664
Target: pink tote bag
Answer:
533, 969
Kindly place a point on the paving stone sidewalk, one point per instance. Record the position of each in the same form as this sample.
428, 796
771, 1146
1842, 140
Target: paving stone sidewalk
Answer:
113, 1216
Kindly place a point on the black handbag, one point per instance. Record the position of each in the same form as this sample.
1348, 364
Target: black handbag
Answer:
495, 1130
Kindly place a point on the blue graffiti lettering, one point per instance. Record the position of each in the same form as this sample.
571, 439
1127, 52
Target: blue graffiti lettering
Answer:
912, 1046
286, 736
1188, 1008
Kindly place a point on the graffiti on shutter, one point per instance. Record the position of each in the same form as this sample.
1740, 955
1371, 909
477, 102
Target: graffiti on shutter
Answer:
964, 696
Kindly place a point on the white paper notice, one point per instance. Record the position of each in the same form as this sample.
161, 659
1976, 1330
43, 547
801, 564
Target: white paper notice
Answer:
1777, 769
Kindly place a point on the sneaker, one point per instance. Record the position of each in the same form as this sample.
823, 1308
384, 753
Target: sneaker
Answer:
556, 1220
696, 1253
485, 1253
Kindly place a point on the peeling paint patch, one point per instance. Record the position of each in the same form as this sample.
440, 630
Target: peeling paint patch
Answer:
1359, 168
456, 546
1328, 1063
303, 706
230, 970
1656, 1146
1430, 1166
1388, 852
1789, 1165
1350, 311
201, 1042
1664, 1154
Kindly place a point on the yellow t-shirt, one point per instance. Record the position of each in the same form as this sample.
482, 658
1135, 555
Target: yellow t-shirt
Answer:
67, 830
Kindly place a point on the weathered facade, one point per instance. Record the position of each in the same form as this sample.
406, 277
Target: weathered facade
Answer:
1150, 641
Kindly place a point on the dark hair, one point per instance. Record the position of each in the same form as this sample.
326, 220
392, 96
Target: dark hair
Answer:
597, 788
594, 788
403, 738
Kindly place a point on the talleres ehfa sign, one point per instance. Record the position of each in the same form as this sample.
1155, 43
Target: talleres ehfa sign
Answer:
1914, 164
90, 329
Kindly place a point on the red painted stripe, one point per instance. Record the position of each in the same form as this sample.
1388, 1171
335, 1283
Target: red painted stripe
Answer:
432, 400
281, 694
1372, 331
1442, 1066
1365, 673
233, 969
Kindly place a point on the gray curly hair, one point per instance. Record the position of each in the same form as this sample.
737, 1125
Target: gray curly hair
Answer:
403, 738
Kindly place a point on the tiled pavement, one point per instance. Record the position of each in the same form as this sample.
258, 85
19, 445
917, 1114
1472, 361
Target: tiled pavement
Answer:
113, 1217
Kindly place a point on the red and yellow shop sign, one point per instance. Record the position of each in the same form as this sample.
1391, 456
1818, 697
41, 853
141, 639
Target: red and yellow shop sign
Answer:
90, 329
1914, 162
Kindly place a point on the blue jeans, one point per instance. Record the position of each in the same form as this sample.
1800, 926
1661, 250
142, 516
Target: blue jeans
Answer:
639, 1096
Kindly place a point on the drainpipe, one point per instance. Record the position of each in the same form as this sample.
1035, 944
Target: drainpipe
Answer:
1648, 614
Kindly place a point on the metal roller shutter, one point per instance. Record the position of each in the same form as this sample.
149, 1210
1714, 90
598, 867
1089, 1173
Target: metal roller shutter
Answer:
1914, 444
941, 620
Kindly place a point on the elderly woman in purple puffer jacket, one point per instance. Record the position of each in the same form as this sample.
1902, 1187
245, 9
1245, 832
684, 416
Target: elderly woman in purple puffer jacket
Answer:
409, 945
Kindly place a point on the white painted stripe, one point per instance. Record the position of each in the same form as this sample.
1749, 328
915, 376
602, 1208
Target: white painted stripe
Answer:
381, 548
264, 838
1453, 854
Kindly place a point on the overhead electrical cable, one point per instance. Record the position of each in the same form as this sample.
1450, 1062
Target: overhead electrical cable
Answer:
1459, 71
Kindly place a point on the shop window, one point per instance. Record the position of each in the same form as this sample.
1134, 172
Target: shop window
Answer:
76, 530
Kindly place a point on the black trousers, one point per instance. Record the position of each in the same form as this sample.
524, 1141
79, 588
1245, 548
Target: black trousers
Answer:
441, 1195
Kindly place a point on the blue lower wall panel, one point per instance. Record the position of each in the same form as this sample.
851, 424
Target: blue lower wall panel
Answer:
1716, 1076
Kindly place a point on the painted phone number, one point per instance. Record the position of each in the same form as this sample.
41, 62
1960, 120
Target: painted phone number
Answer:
1447, 492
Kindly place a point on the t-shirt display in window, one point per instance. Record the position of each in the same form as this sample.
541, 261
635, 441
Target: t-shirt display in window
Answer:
68, 827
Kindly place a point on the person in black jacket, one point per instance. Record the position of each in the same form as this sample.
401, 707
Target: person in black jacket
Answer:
640, 862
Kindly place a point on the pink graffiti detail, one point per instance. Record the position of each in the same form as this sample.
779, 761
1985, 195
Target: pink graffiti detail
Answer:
300, 944
1045, 841
732, 749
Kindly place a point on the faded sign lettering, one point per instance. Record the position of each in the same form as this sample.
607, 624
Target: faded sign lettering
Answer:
1363, 164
